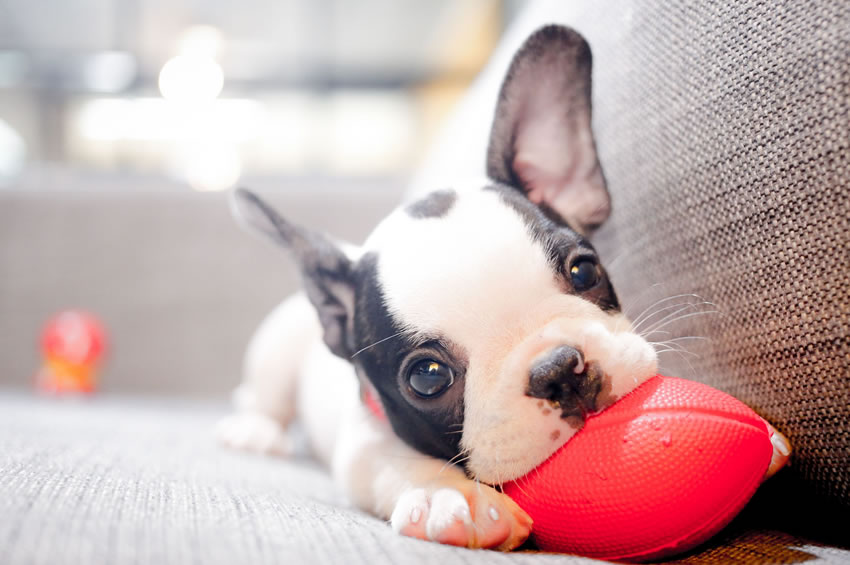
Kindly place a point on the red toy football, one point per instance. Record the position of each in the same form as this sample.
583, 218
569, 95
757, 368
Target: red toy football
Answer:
657, 473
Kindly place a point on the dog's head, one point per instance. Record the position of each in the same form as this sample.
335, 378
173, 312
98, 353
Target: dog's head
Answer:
482, 319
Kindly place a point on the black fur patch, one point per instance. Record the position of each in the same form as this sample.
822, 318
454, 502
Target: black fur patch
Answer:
559, 241
431, 426
435, 205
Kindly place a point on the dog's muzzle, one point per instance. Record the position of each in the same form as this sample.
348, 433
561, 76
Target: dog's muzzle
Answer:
561, 377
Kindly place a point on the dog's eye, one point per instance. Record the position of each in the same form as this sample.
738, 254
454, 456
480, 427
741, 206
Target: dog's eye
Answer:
584, 274
429, 378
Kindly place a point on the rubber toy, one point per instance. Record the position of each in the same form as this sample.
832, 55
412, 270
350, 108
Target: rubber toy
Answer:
73, 343
655, 474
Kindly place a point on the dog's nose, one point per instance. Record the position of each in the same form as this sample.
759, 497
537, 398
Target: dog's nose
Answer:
560, 376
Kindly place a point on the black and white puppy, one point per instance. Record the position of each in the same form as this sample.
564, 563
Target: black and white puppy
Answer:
468, 338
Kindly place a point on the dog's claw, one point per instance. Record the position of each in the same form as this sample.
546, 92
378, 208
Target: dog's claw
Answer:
781, 452
463, 513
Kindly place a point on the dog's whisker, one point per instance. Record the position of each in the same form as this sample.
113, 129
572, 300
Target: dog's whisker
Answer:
646, 319
678, 319
679, 351
380, 341
658, 323
461, 453
455, 463
637, 299
660, 332
667, 346
683, 305
682, 300
675, 343
462, 460
689, 337
685, 359
518, 484
649, 308
536, 472
461, 456
676, 340
680, 309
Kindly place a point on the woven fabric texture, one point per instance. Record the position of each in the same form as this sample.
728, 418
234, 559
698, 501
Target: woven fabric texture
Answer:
138, 482
142, 482
724, 132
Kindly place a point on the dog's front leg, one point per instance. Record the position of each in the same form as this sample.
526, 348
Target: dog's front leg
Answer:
422, 497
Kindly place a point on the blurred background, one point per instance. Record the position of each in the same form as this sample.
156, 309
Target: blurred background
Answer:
124, 122
201, 93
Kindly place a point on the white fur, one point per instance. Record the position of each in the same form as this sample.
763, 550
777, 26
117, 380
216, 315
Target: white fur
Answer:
273, 359
477, 278
254, 431
465, 276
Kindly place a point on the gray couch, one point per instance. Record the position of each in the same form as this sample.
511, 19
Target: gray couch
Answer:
723, 130
139, 480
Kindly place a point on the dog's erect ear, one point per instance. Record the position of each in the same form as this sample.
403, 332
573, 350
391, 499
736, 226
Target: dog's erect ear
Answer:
541, 139
325, 269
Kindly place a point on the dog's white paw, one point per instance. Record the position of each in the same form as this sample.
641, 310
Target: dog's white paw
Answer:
253, 431
463, 513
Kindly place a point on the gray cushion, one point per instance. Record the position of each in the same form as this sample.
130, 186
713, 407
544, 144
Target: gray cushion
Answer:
723, 131
178, 285
136, 481
119, 481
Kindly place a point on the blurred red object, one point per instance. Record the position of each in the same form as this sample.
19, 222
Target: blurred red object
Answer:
73, 343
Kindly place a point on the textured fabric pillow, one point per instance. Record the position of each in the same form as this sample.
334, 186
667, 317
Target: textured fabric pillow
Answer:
141, 482
724, 131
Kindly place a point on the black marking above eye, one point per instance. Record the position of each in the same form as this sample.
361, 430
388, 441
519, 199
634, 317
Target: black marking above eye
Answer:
429, 378
584, 273
435, 205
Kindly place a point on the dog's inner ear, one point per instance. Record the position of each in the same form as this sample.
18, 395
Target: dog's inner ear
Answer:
541, 140
326, 271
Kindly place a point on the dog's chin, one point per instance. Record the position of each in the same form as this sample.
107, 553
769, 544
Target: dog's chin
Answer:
496, 471
515, 449
553, 428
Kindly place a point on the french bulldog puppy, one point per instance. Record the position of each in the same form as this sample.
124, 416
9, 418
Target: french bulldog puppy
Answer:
468, 338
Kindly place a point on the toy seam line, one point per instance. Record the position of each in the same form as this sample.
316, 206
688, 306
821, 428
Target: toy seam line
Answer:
744, 419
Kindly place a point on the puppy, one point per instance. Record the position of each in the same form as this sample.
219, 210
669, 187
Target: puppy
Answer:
468, 338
